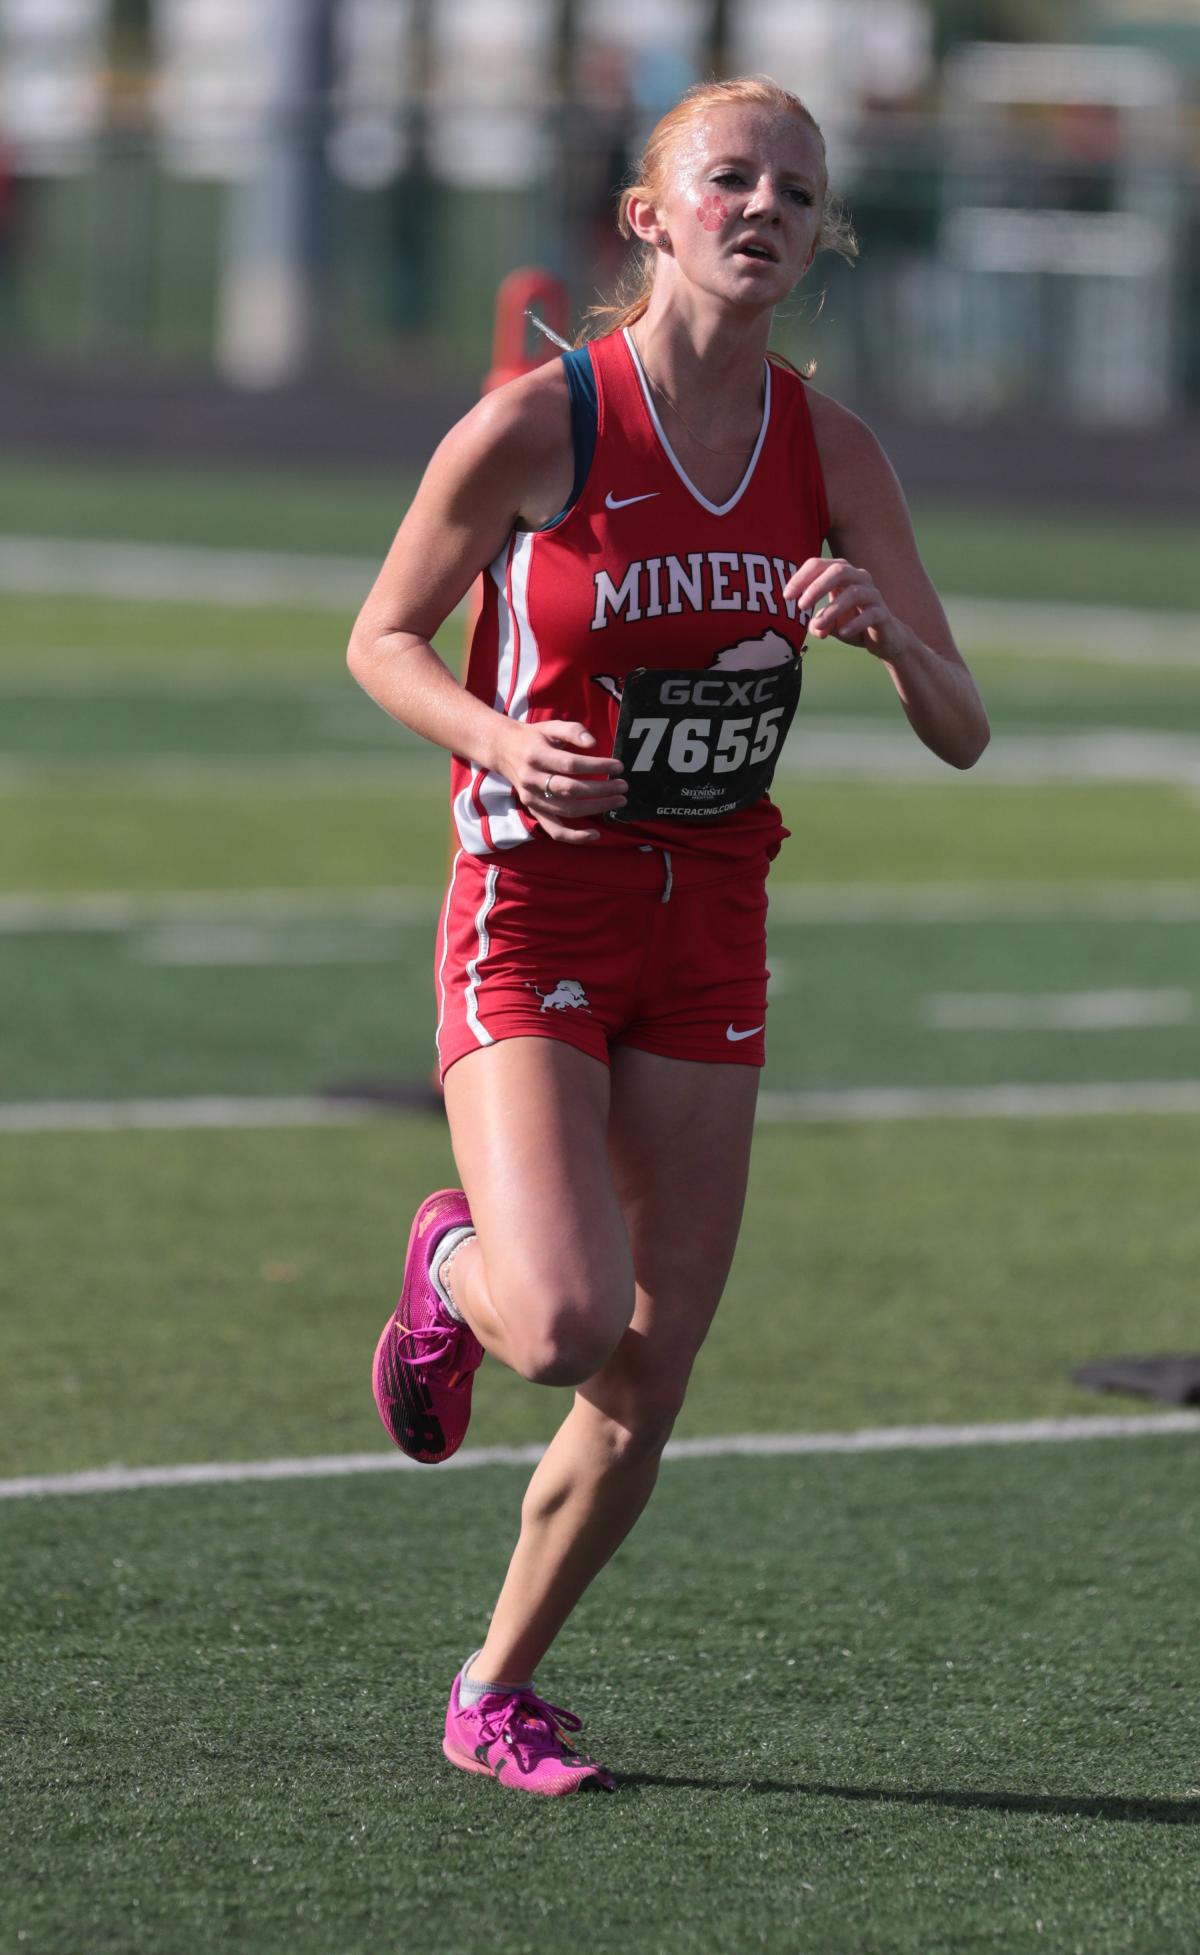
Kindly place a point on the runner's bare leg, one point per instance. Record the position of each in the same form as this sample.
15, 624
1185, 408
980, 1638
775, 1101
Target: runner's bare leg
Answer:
678, 1145
547, 1284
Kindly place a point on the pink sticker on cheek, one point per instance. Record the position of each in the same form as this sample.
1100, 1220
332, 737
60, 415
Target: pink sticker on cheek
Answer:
711, 213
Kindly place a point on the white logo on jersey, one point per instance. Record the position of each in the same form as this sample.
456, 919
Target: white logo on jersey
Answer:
567, 995
733, 1036
622, 502
749, 655
754, 654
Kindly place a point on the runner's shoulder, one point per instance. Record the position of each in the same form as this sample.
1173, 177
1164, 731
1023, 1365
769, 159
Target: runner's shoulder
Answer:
523, 425
841, 435
853, 459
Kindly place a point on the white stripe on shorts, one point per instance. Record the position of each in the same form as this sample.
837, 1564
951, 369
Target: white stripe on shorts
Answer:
441, 976
481, 1032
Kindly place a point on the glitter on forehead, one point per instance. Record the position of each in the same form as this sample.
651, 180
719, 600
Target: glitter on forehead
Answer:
735, 128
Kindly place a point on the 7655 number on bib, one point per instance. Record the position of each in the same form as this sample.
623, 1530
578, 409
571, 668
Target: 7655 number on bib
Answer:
696, 745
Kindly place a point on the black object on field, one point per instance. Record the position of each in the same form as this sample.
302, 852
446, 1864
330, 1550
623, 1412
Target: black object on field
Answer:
1176, 1380
399, 1095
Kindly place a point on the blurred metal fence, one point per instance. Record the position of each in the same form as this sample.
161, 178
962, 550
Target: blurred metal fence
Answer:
275, 186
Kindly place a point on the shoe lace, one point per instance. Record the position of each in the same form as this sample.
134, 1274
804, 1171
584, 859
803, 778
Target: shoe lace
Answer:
530, 1726
428, 1345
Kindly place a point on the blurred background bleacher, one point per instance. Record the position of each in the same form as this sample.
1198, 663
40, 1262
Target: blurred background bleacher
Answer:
277, 226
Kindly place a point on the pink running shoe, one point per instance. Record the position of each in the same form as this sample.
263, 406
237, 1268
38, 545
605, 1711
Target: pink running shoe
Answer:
425, 1362
521, 1740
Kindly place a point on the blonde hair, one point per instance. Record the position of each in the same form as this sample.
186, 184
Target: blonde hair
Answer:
636, 282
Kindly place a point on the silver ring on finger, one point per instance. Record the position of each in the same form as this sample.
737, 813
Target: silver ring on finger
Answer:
548, 791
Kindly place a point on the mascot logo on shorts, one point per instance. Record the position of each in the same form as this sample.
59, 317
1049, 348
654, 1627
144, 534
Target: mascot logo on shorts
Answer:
749, 655
567, 995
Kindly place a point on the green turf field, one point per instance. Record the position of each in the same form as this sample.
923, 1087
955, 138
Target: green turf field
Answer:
931, 1703
974, 1262
926, 1701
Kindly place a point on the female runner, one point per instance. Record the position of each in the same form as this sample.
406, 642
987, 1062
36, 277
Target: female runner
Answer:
650, 512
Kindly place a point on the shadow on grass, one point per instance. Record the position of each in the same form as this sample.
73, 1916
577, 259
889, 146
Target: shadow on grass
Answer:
1156, 1812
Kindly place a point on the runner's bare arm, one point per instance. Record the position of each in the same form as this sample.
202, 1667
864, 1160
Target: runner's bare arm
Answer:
507, 462
878, 593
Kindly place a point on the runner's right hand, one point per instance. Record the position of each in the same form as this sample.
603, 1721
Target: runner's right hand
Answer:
560, 754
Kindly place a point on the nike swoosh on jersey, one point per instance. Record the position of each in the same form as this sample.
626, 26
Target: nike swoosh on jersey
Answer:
622, 502
735, 1036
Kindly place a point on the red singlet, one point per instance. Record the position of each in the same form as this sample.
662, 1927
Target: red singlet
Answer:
643, 570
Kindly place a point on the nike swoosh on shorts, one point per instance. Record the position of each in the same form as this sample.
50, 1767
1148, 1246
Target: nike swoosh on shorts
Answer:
622, 502
735, 1036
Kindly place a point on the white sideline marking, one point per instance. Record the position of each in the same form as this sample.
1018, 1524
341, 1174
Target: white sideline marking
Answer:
850, 903
197, 575
828, 749
70, 677
1095, 633
178, 1116
182, 573
878, 1439
980, 902
239, 946
1017, 1102
394, 772
128, 909
825, 749
1056, 1011
850, 1104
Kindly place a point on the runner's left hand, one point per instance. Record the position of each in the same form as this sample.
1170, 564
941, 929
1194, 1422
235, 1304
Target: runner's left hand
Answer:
853, 609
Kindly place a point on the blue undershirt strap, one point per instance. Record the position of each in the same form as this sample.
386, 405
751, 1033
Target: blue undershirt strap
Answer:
581, 389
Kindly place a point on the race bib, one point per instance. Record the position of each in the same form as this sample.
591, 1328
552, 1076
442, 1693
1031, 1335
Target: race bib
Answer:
696, 745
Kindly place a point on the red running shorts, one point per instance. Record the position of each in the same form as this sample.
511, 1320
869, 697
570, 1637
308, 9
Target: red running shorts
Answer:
665, 961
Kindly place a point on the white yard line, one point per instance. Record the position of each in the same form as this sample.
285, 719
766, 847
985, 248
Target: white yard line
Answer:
63, 566
879, 752
401, 771
1089, 1100
878, 1439
178, 1116
882, 752
132, 909
250, 946
1057, 1011
182, 573
853, 1105
791, 903
193, 672
1094, 633
980, 902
